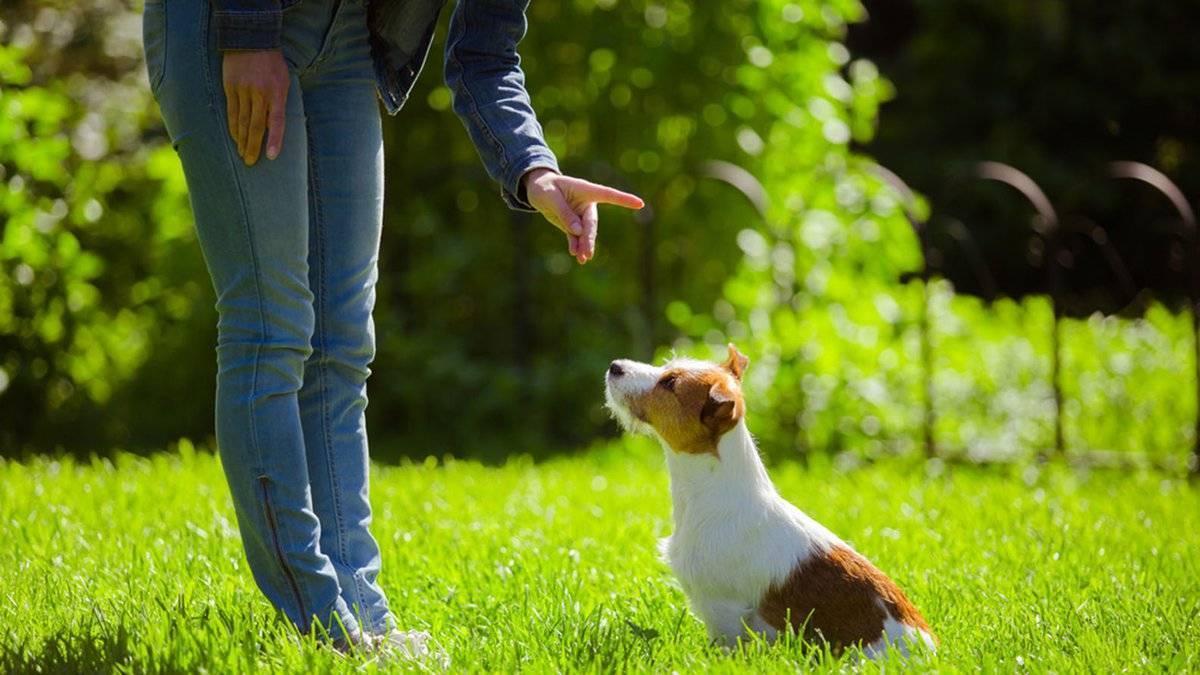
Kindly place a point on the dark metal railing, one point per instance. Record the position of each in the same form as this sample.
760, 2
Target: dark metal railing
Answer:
1047, 226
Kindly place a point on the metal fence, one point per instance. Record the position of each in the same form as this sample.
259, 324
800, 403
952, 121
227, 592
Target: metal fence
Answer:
1048, 226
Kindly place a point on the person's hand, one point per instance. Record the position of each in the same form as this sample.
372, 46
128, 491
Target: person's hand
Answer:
570, 205
256, 86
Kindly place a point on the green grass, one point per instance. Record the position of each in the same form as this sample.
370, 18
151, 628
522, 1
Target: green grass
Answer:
551, 567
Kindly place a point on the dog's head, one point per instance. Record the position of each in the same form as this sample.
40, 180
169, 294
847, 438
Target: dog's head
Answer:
687, 404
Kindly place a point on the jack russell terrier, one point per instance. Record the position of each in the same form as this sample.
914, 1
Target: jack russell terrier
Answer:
748, 560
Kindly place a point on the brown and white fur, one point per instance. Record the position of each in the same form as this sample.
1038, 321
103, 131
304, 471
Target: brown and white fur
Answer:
748, 560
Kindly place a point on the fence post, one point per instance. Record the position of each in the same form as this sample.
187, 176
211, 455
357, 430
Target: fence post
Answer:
1045, 224
1194, 465
1159, 181
926, 344
1054, 279
927, 347
921, 229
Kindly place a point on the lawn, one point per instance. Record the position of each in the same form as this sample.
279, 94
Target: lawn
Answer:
136, 565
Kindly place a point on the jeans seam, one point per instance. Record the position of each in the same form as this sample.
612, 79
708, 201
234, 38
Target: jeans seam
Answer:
156, 80
289, 576
326, 40
258, 298
322, 366
283, 569
205, 33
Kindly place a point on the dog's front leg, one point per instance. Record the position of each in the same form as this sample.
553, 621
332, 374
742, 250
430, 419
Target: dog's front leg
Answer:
728, 620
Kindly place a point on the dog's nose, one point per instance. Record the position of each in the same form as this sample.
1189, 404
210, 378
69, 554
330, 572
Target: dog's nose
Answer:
615, 369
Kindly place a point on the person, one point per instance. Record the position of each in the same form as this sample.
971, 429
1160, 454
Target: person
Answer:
272, 108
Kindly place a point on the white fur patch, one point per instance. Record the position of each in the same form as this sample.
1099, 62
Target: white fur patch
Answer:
735, 537
899, 637
635, 380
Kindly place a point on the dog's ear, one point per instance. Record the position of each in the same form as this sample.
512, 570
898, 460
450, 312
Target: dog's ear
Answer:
719, 410
736, 363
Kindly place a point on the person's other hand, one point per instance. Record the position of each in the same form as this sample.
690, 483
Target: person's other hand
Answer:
256, 87
570, 205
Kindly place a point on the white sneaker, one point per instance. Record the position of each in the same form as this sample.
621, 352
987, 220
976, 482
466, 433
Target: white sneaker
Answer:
407, 645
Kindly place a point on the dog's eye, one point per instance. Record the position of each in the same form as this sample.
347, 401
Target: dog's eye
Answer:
667, 383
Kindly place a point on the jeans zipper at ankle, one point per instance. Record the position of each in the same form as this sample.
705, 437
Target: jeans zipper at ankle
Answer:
287, 571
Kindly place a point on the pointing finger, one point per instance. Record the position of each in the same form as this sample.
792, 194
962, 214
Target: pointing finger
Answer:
603, 194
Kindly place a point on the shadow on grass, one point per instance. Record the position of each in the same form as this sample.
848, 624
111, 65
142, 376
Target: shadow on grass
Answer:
85, 651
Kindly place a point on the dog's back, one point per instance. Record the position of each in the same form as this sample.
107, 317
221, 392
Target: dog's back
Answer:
838, 596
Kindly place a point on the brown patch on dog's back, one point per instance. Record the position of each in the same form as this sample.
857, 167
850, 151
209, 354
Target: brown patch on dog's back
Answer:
844, 599
695, 411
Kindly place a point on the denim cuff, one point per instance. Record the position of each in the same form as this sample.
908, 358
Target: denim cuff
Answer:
336, 623
258, 29
513, 190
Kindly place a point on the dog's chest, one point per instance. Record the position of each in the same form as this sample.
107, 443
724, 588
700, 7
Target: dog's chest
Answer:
739, 555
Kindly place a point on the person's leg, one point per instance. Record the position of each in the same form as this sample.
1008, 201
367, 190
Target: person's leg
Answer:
345, 216
252, 223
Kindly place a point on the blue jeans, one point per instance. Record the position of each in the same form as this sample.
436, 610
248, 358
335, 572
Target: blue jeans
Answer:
292, 246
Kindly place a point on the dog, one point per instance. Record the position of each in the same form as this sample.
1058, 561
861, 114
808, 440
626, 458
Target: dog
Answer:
748, 560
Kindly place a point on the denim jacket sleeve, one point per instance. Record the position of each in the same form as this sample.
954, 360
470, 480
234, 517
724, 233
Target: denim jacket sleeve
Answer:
484, 74
248, 24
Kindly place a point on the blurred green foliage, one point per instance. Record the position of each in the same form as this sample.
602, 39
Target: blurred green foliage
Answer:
100, 272
491, 340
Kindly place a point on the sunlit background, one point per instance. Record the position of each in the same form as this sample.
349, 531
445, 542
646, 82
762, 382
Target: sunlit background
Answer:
754, 130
